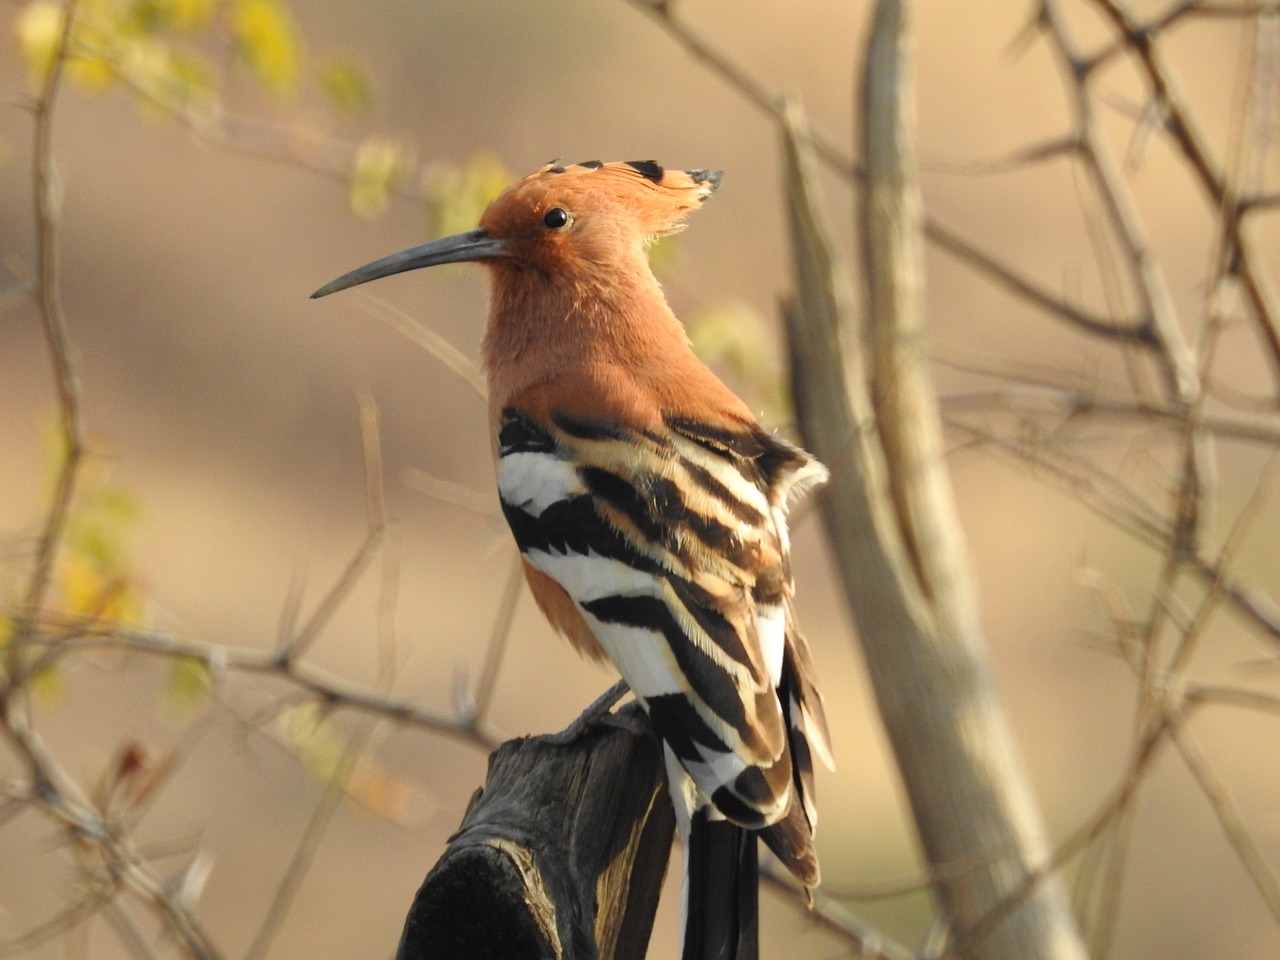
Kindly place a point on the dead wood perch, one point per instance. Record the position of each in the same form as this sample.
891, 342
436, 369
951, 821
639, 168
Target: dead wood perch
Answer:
560, 855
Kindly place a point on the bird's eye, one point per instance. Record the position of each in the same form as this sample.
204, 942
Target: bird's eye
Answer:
555, 218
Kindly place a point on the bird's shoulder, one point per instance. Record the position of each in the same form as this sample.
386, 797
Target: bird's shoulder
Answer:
607, 409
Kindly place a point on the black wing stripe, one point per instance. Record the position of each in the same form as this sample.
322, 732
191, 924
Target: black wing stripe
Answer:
720, 440
679, 724
593, 430
705, 677
574, 526
623, 497
662, 515
704, 610
519, 434
733, 808
716, 489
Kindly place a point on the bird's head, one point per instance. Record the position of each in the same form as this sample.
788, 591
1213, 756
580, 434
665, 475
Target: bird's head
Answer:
562, 219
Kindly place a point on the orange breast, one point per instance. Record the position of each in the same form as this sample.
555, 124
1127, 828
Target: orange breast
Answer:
563, 613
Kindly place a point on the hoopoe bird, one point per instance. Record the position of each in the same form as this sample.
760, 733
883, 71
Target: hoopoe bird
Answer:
650, 509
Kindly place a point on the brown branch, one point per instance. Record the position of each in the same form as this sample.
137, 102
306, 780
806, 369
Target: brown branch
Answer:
1227, 812
498, 636
47, 202
1174, 356
1244, 259
61, 800
773, 104
1111, 501
1043, 399
334, 792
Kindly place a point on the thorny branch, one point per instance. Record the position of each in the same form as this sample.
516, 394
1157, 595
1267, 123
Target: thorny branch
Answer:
47, 196
1240, 258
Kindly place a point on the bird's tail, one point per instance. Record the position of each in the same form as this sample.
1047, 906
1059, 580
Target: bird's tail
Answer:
720, 912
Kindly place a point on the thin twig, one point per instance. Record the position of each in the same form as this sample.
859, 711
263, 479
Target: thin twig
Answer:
56, 926
1246, 263
47, 202
498, 636
1228, 814
773, 103
332, 691
59, 797
458, 363
829, 913
1173, 354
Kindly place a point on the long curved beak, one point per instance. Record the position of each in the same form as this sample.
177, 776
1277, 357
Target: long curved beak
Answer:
472, 245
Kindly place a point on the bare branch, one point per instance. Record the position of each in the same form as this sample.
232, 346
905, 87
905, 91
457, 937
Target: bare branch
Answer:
945, 238
47, 200
1241, 253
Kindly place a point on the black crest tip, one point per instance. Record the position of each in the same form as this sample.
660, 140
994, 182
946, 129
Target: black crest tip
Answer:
649, 169
711, 178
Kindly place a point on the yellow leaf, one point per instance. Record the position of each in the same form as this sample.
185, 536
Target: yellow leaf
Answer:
145, 61
91, 73
81, 584
386, 795
379, 166
39, 28
313, 739
267, 39
48, 684
39, 31
732, 335
190, 680
185, 15
457, 196
188, 81
121, 602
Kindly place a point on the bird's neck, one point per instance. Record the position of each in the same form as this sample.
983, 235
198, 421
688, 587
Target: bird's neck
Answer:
541, 327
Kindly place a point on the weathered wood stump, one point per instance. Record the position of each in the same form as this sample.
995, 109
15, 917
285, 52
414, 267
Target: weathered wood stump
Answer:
560, 855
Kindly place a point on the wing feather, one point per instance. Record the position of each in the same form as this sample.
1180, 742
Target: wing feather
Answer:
670, 540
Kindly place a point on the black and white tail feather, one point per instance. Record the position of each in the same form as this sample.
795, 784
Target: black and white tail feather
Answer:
673, 545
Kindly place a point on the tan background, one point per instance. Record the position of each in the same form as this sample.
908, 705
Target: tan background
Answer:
225, 400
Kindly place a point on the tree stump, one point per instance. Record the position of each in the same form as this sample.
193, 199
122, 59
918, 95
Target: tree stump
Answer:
560, 855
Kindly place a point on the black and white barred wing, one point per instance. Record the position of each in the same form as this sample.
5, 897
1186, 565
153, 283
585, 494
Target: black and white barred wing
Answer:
672, 546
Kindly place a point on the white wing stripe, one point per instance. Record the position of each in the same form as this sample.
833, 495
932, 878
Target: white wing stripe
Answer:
771, 631
534, 481
587, 577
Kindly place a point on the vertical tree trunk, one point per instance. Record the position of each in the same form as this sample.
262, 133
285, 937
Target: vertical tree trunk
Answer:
892, 524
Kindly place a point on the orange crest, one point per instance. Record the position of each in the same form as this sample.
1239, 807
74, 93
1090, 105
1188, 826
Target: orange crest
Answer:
593, 208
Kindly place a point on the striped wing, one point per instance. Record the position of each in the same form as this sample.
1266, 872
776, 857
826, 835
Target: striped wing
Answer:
672, 546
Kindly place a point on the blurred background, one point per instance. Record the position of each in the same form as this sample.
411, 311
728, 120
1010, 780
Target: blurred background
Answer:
222, 413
